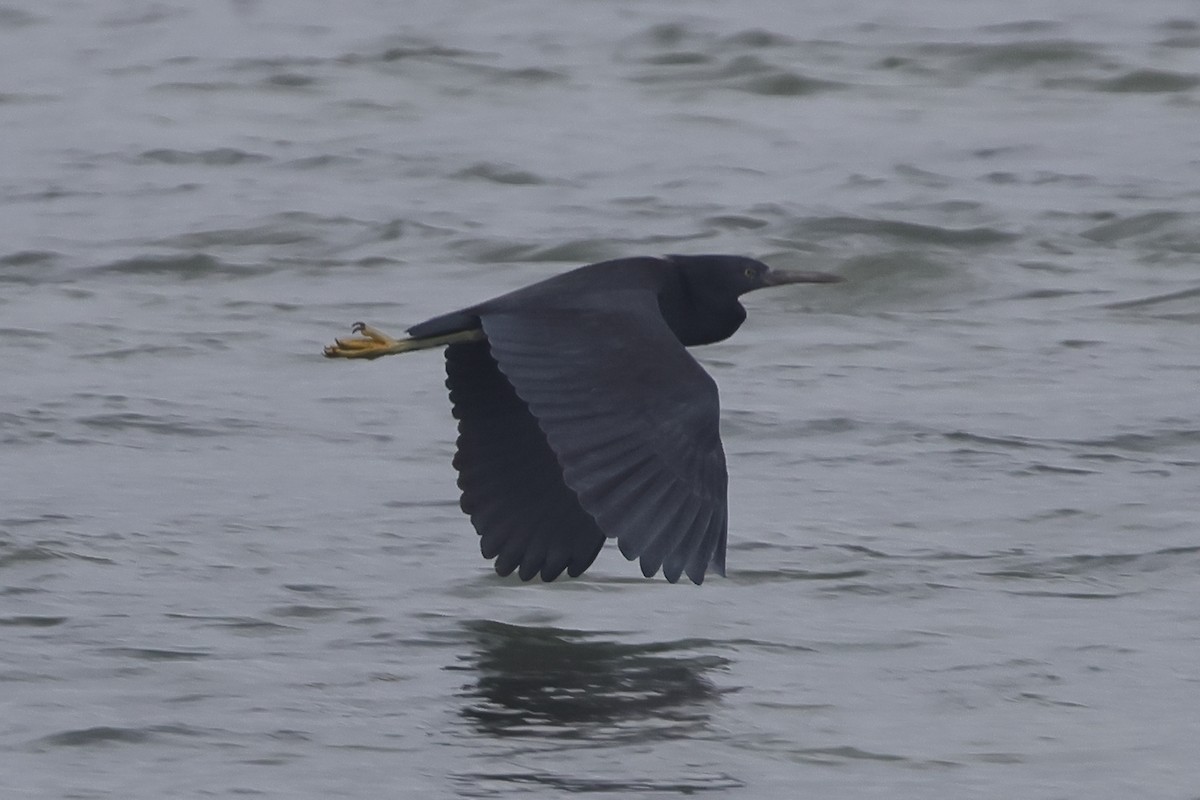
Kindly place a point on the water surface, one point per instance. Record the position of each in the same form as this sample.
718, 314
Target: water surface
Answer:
964, 537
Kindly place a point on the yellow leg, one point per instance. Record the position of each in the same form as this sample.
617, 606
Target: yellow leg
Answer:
374, 343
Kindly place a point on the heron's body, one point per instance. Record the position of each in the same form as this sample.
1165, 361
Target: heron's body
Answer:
582, 416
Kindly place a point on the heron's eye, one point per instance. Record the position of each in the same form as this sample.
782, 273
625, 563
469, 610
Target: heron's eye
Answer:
750, 272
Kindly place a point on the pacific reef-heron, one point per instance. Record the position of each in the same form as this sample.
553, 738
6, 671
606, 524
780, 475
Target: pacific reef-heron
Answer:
583, 417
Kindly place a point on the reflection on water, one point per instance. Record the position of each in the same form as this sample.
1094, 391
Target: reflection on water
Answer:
551, 682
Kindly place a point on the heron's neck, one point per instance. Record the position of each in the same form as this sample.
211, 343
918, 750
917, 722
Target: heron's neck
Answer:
699, 319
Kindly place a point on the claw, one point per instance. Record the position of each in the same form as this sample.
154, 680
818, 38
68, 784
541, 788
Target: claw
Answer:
371, 344
370, 334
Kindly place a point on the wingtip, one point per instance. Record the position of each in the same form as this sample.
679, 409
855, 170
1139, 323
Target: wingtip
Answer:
696, 574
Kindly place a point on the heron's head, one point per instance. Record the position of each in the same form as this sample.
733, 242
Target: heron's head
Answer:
735, 275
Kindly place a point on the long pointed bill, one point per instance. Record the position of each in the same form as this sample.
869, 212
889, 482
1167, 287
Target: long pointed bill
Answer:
782, 277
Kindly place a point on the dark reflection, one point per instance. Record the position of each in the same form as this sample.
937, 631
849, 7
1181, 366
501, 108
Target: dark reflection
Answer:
551, 682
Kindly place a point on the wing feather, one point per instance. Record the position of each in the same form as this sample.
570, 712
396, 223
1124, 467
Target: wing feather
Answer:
630, 416
527, 518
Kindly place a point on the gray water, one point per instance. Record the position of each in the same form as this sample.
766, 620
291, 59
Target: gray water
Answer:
965, 526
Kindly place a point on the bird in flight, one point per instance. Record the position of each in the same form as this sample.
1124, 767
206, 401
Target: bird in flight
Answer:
583, 417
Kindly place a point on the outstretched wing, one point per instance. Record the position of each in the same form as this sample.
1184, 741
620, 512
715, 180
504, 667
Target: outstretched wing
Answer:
512, 485
632, 418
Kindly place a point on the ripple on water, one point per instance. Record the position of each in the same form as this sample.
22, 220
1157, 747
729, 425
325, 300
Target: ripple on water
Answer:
1107, 565
31, 260
504, 174
165, 424
184, 266
155, 653
821, 228
577, 251
216, 157
677, 56
956, 62
109, 734
743, 73
31, 621
1146, 81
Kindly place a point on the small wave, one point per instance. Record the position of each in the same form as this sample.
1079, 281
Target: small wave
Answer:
751, 74
155, 653
1181, 34
822, 227
1117, 447
21, 98
196, 86
275, 64
301, 611
188, 266
101, 734
758, 38
31, 621
216, 157
1078, 595
522, 74
579, 251
736, 222
260, 235
12, 18
1024, 26
575, 251
681, 56
906, 279
477, 784
1019, 442
1107, 565
29, 267
1153, 231
675, 37
746, 73
289, 80
137, 351
149, 15
500, 173
401, 55
109, 734
421, 50
22, 555
956, 59
1020, 55
1148, 81
838, 755
171, 425
24, 258
1138, 225
786, 575
1151, 442
783, 83
1053, 469
678, 59
1154, 300
239, 624
330, 160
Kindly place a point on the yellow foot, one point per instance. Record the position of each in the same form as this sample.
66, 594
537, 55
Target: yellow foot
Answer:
372, 344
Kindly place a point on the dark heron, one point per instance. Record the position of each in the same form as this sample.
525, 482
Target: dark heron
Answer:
581, 415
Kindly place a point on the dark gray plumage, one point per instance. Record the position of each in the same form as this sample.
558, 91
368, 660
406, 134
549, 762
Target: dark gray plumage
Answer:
582, 416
